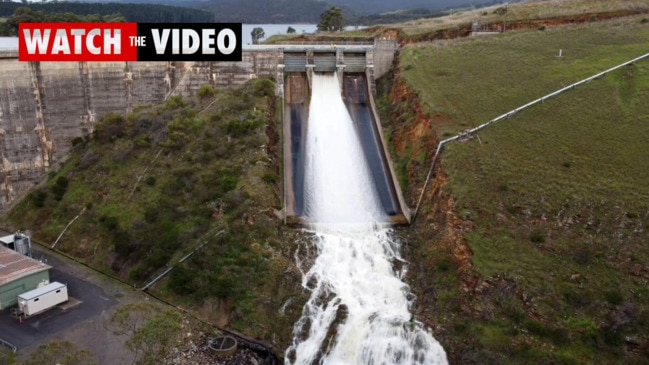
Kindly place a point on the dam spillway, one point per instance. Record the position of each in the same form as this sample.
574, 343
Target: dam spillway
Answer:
356, 85
359, 311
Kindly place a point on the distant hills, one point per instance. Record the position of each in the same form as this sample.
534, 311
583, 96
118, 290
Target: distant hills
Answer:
298, 11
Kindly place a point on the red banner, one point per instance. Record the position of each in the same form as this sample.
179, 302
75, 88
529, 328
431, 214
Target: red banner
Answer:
77, 41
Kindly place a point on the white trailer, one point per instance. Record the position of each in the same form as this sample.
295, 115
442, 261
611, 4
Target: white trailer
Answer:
43, 298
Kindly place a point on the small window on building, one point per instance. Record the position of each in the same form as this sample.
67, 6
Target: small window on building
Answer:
36, 300
58, 291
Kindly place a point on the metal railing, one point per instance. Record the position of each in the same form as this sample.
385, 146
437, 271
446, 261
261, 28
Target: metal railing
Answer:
8, 345
473, 131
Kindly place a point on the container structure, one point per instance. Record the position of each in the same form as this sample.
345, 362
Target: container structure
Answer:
43, 298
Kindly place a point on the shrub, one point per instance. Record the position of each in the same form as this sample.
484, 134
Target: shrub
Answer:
263, 87
143, 142
175, 102
226, 180
576, 298
175, 140
558, 336
181, 280
122, 243
205, 91
614, 297
444, 265
239, 128
39, 197
270, 178
77, 141
109, 222
151, 214
59, 187
111, 127
541, 27
538, 236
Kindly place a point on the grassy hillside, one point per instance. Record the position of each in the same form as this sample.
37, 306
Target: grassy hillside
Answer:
153, 186
539, 10
543, 258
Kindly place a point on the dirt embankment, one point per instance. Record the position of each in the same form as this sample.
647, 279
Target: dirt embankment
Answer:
569, 20
465, 30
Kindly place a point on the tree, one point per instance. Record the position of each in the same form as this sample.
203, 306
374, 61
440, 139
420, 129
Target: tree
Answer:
290, 30
331, 20
257, 34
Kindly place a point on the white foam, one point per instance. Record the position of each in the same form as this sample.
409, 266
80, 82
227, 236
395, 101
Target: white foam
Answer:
358, 312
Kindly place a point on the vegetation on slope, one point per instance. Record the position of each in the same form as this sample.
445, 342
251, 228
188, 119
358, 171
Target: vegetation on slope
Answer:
534, 247
152, 187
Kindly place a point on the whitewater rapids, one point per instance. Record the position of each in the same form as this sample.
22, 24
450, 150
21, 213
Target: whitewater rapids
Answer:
358, 312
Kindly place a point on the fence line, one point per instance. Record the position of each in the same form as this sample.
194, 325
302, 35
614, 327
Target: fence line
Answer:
468, 133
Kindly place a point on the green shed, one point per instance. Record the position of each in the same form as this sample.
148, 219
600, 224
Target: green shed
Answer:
19, 274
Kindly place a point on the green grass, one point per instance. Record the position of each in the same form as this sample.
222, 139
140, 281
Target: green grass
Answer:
492, 75
557, 195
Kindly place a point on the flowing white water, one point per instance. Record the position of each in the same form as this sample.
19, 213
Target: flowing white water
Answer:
358, 312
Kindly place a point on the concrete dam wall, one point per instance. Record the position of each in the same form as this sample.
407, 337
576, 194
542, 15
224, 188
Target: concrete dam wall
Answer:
45, 105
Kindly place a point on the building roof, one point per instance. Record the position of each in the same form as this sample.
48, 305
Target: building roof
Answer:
14, 266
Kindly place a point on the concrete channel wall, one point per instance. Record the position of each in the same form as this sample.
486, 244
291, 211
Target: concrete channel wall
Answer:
360, 104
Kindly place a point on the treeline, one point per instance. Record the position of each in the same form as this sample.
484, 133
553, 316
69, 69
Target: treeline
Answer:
278, 11
144, 13
25, 14
398, 16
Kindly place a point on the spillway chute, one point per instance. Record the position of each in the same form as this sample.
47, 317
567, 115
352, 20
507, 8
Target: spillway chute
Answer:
359, 309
